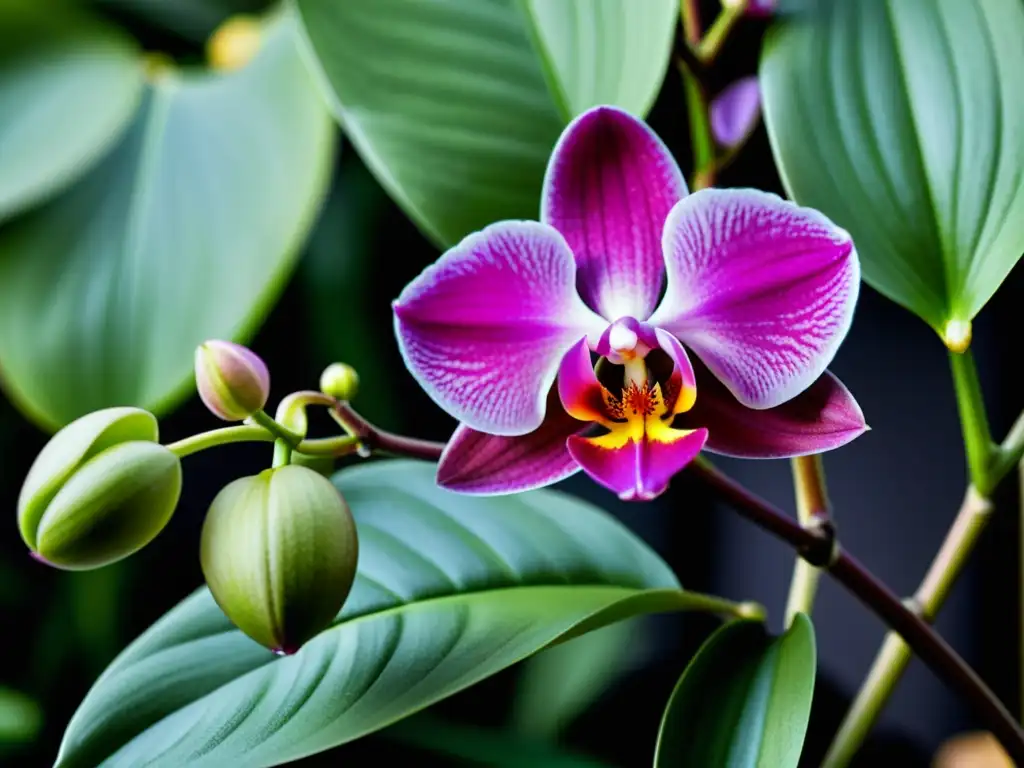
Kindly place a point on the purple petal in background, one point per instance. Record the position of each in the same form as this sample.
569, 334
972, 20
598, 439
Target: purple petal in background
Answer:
763, 291
609, 185
822, 417
481, 464
484, 328
735, 112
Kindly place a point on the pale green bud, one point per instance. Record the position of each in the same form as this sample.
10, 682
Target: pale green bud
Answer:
279, 553
100, 490
340, 381
232, 381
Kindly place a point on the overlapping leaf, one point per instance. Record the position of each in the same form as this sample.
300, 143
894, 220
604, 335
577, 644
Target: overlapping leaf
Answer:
184, 232
448, 102
903, 120
69, 84
744, 701
450, 589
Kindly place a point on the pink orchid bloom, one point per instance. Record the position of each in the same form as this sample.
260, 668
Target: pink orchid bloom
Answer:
760, 290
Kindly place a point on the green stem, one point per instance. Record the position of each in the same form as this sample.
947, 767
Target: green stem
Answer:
892, 659
241, 434
689, 15
700, 129
1010, 453
279, 431
812, 508
710, 46
341, 445
973, 421
282, 453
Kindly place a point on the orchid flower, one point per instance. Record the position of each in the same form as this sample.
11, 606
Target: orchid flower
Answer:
503, 329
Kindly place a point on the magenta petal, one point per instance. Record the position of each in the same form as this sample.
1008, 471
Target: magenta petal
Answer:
637, 471
824, 416
477, 463
735, 112
610, 184
483, 328
763, 291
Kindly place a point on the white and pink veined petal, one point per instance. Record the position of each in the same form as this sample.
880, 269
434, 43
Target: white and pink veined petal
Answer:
762, 290
483, 329
609, 186
488, 465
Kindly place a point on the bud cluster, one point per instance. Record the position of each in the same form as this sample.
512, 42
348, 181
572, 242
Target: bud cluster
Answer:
278, 550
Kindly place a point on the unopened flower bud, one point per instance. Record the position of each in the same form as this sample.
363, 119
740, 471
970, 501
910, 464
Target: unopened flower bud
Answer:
340, 381
234, 43
101, 489
279, 553
735, 112
232, 381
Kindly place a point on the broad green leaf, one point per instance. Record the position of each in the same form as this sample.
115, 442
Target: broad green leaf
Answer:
69, 85
744, 700
450, 589
558, 684
445, 101
186, 231
20, 717
903, 122
474, 745
604, 51
448, 102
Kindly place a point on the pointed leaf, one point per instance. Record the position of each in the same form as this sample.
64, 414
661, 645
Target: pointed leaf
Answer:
445, 101
743, 702
450, 589
604, 51
184, 232
902, 122
69, 84
449, 104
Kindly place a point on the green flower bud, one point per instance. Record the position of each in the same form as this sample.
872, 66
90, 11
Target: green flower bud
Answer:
100, 490
232, 381
340, 380
279, 554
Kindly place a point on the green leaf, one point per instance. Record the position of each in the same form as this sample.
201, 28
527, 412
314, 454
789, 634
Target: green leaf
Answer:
186, 231
20, 717
445, 101
559, 684
450, 589
604, 51
744, 700
448, 102
902, 121
69, 84
473, 745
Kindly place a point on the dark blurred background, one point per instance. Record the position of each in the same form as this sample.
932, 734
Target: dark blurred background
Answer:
895, 490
